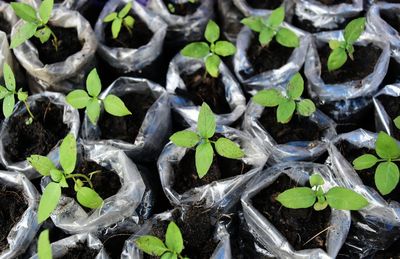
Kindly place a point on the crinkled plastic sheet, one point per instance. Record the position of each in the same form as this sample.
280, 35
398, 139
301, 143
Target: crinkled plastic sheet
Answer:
61, 76
127, 59
190, 112
247, 10
70, 119
23, 232
383, 122
222, 191
265, 232
71, 217
5, 53
271, 78
68, 4
156, 126
8, 13
230, 21
296, 150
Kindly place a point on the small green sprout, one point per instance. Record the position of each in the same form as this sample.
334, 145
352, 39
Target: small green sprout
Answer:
171, 7
86, 196
119, 19
340, 49
339, 198
271, 27
288, 104
201, 140
35, 23
90, 100
387, 172
172, 248
44, 247
211, 53
397, 122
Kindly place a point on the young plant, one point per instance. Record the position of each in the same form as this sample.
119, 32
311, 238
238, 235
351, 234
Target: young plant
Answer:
210, 52
35, 23
119, 19
201, 140
271, 27
85, 195
288, 104
340, 49
171, 7
387, 172
90, 100
43, 246
337, 197
171, 248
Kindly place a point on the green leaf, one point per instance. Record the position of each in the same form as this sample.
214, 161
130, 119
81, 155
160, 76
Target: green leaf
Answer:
93, 83
285, 111
169, 255
44, 247
3, 92
306, 107
277, 17
49, 200
337, 59
56, 175
8, 105
63, 182
212, 65
9, 78
224, 48
116, 27
68, 153
345, 199
25, 12
386, 177
318, 206
397, 122
206, 122
89, 198
268, 98
43, 34
254, 23
110, 17
129, 21
212, 32
266, 35
124, 11
364, 162
22, 96
204, 158
42, 164
297, 198
386, 146
93, 110
151, 245
354, 30
296, 86
316, 180
115, 106
45, 10
78, 99
334, 44
228, 149
196, 50
23, 33
287, 38
185, 138
173, 238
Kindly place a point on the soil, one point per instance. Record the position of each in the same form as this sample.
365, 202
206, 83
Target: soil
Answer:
266, 58
69, 44
40, 137
126, 128
391, 105
365, 59
297, 225
391, 252
13, 207
335, 2
4, 24
81, 251
391, 18
264, 4
201, 87
298, 129
182, 9
115, 244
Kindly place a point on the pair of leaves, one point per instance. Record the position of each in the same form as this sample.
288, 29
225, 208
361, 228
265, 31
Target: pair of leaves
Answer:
288, 104
210, 52
119, 19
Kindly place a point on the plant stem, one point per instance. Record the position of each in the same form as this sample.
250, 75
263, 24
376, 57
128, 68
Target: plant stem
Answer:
28, 109
80, 175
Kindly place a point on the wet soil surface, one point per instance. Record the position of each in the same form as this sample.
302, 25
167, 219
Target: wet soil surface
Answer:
264, 4
181, 9
391, 105
81, 251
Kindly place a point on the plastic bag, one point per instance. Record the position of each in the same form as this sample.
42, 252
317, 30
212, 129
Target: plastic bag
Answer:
230, 21
5, 53
382, 120
127, 59
61, 76
156, 126
70, 118
190, 112
247, 10
8, 15
265, 232
68, 4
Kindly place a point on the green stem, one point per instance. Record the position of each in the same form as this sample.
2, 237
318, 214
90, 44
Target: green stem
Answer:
29, 110
80, 175
55, 40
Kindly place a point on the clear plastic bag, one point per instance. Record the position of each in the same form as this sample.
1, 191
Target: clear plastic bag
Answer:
68, 4
247, 10
5, 53
230, 22
8, 14
382, 120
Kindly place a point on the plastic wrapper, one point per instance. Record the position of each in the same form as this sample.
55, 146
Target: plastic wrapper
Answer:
383, 122
156, 126
224, 190
23, 232
296, 150
265, 232
271, 78
61, 76
186, 108
127, 59
70, 119
5, 53
8, 13
68, 4
247, 10
230, 22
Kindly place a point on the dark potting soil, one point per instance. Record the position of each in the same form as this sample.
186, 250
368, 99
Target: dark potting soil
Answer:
58, 1
69, 44
201, 87
13, 206
392, 108
126, 128
115, 244
81, 251
392, 252
365, 59
264, 4
266, 58
335, 2
46, 130
297, 225
4, 24
298, 129
392, 18
182, 9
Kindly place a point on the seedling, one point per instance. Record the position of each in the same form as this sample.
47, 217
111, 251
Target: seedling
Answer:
44, 247
90, 100
35, 23
171, 248
340, 49
86, 196
339, 198
397, 122
201, 140
210, 52
119, 19
387, 172
288, 104
171, 7
271, 27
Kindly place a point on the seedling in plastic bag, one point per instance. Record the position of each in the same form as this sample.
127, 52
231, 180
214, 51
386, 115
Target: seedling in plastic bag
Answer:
119, 19
339, 198
85, 195
288, 104
43, 246
271, 27
387, 172
90, 100
210, 52
171, 248
201, 140
340, 49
